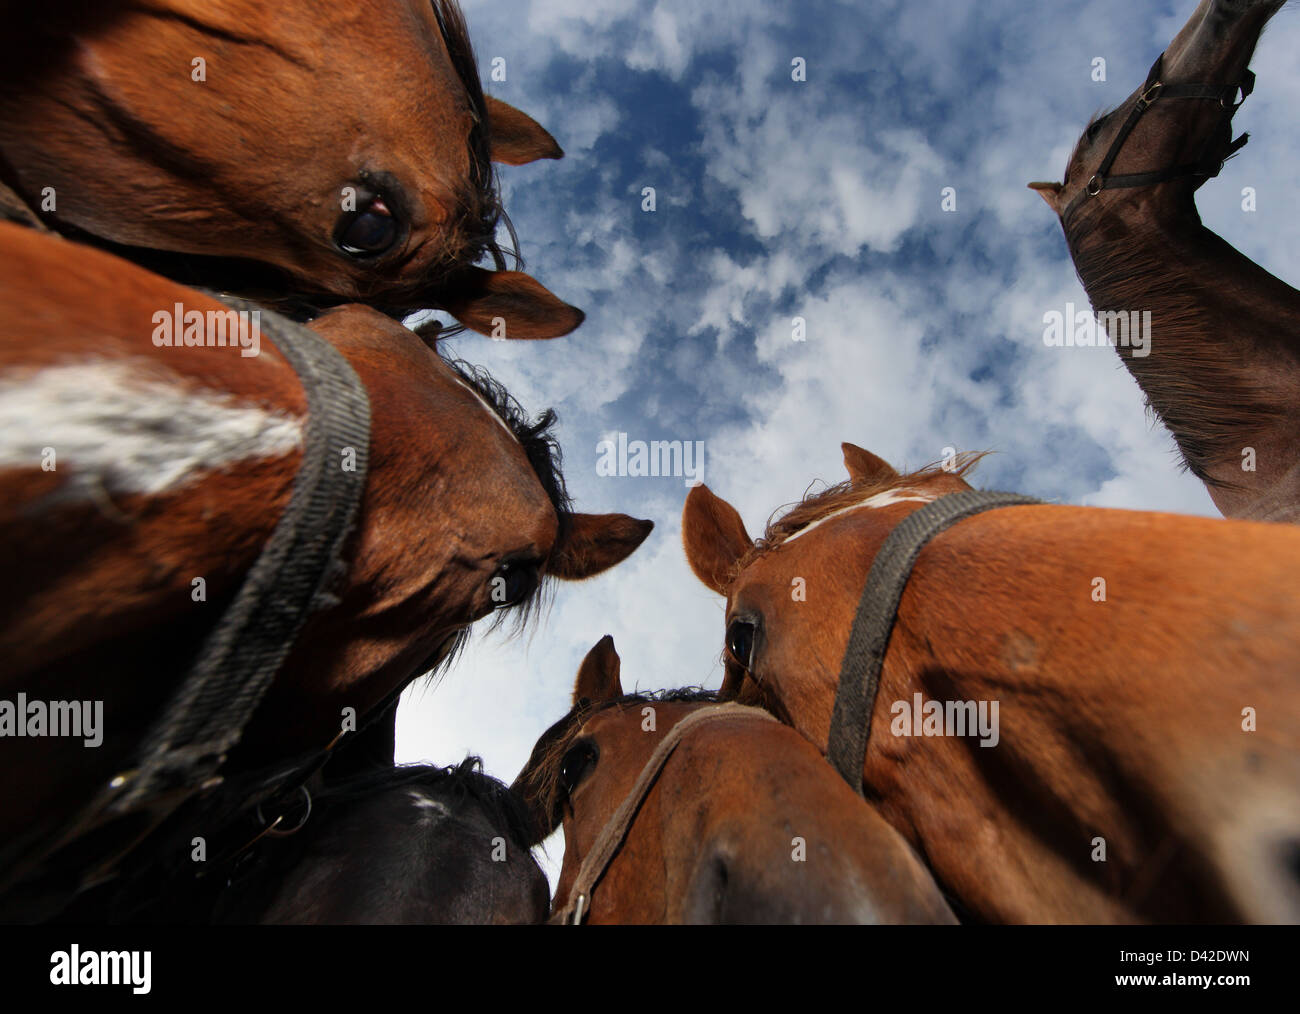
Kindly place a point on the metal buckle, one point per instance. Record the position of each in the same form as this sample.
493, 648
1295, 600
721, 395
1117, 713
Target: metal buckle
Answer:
1094, 186
1151, 94
274, 830
579, 909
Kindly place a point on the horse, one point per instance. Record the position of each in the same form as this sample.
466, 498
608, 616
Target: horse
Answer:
392, 845
1221, 364
742, 822
407, 845
298, 153
411, 845
1084, 714
145, 476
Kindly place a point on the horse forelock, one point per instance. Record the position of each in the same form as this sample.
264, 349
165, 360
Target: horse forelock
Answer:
820, 506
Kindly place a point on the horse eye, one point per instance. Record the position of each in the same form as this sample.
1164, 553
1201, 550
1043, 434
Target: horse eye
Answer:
577, 764
513, 582
740, 643
369, 231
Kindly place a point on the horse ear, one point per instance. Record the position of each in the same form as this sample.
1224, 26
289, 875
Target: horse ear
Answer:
594, 543
508, 304
598, 675
714, 537
1050, 192
516, 137
864, 466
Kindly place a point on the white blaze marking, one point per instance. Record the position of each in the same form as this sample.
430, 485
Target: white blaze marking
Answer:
424, 801
115, 427
885, 499
490, 410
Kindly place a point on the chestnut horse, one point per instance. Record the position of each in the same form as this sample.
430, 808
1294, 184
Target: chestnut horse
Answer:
139, 483
1222, 361
744, 822
1134, 678
289, 150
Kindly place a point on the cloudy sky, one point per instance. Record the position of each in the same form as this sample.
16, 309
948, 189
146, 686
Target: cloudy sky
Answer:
819, 199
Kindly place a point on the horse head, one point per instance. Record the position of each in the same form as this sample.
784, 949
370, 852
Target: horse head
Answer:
296, 152
1144, 160
719, 837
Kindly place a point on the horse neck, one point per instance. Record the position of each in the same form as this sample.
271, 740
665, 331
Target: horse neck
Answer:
1095, 710
1223, 369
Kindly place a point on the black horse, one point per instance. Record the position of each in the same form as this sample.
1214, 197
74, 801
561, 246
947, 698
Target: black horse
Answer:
415, 844
368, 842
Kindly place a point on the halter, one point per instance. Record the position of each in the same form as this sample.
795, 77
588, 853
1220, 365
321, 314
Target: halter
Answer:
185, 751
616, 829
1207, 166
864, 656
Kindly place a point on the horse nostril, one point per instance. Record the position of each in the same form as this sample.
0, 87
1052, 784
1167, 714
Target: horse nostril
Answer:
1291, 858
706, 900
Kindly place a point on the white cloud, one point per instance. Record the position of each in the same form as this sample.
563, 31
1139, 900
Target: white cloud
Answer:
818, 199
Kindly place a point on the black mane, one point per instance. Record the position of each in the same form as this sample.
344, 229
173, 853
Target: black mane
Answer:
459, 784
540, 445
484, 211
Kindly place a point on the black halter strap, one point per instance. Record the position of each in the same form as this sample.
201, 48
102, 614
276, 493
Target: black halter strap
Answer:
289, 580
183, 754
1208, 166
864, 656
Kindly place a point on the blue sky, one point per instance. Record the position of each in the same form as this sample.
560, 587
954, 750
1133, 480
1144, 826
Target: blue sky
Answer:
819, 199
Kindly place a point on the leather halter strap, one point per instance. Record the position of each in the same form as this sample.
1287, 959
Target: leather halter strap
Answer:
864, 656
184, 752
1154, 89
616, 829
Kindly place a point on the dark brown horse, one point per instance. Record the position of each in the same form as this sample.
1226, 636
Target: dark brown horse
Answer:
1121, 692
411, 845
139, 483
296, 151
1222, 361
744, 823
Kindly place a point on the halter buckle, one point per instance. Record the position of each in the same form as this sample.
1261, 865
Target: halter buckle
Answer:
579, 910
274, 830
1094, 186
1151, 94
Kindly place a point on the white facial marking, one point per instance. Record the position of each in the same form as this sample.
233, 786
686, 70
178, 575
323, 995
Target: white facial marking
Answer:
433, 807
489, 409
885, 499
115, 427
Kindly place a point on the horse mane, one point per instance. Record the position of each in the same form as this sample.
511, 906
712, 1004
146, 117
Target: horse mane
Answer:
816, 506
461, 783
539, 781
482, 208
1209, 421
542, 449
